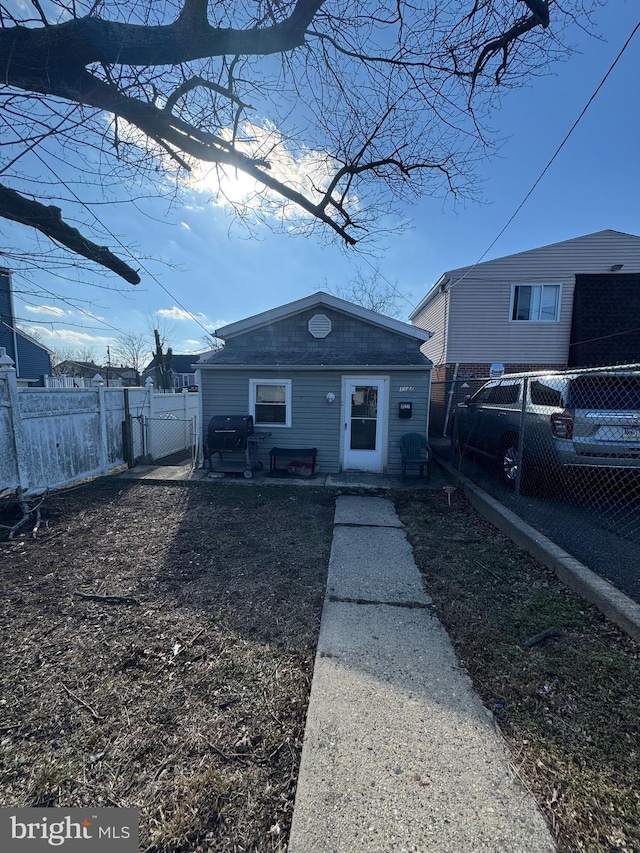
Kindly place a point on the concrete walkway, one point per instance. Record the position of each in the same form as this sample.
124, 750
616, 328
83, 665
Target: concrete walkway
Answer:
399, 753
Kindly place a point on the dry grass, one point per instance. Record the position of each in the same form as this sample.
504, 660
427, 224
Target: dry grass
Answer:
190, 705
569, 707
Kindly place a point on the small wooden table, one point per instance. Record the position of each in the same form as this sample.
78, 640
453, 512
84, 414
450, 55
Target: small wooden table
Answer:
305, 455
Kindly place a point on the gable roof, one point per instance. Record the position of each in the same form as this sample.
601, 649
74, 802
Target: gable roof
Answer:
179, 363
317, 300
606, 236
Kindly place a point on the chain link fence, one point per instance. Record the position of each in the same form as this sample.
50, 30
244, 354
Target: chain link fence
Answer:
169, 440
561, 448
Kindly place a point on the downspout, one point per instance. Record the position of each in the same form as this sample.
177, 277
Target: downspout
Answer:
450, 399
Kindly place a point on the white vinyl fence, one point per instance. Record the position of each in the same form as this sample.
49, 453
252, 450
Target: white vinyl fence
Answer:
54, 437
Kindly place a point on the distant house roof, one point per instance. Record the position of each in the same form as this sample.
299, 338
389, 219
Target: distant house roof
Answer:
71, 364
179, 363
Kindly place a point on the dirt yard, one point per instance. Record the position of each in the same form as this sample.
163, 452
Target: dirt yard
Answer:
159, 644
186, 696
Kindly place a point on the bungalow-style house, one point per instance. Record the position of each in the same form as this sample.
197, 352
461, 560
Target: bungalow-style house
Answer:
180, 368
322, 373
570, 304
31, 359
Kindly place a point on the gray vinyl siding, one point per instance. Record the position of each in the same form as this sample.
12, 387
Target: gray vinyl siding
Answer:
480, 297
420, 415
314, 421
347, 333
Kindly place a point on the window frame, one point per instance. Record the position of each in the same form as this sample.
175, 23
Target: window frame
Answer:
286, 383
542, 285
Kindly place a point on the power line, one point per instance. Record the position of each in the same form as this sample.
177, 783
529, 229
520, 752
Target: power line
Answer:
554, 156
120, 243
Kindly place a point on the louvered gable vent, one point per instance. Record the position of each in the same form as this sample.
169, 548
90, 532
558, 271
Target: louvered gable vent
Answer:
319, 326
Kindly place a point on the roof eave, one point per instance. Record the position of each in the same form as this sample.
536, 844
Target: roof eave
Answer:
437, 288
338, 368
317, 299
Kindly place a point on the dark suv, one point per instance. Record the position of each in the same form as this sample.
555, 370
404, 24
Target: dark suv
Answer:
587, 419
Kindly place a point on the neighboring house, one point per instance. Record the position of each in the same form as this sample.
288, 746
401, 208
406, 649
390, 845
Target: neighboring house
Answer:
570, 304
87, 371
323, 373
32, 360
181, 370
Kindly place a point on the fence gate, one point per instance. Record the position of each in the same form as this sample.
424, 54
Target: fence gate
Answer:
169, 440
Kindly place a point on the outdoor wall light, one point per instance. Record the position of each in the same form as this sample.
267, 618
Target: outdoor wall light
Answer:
616, 267
330, 397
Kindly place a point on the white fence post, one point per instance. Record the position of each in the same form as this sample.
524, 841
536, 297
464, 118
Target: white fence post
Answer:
7, 371
104, 448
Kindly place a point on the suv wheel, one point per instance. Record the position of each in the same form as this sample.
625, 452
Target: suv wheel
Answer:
508, 461
508, 468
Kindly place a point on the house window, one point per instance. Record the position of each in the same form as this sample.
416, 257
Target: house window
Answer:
183, 380
536, 303
270, 401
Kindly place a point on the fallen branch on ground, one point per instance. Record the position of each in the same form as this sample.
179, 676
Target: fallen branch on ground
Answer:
27, 512
84, 704
108, 599
541, 637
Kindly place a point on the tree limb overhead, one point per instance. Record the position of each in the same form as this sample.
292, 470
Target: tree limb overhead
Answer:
341, 110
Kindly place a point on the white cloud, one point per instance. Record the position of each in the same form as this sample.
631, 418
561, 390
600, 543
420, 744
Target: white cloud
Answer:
176, 313
48, 310
306, 170
68, 338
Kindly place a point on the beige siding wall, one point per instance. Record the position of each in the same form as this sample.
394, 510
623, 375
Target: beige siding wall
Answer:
479, 327
434, 319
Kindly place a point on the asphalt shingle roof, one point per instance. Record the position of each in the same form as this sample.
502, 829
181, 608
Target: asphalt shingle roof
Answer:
311, 357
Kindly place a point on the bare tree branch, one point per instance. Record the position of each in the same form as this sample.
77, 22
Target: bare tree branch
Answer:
48, 220
368, 105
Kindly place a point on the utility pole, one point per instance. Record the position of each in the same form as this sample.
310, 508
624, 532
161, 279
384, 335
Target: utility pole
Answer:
108, 364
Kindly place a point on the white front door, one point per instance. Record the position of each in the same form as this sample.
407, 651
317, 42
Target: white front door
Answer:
365, 427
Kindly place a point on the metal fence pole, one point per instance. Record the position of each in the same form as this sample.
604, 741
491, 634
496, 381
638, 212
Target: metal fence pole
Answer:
523, 409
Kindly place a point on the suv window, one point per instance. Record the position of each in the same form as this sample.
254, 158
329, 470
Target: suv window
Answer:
609, 393
505, 395
544, 393
483, 395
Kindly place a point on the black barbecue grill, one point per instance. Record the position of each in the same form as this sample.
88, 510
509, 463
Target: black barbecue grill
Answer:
229, 436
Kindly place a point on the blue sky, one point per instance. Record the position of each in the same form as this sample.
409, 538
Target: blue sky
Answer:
221, 276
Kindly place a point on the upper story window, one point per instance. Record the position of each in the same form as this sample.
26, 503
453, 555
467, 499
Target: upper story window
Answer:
270, 401
535, 303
